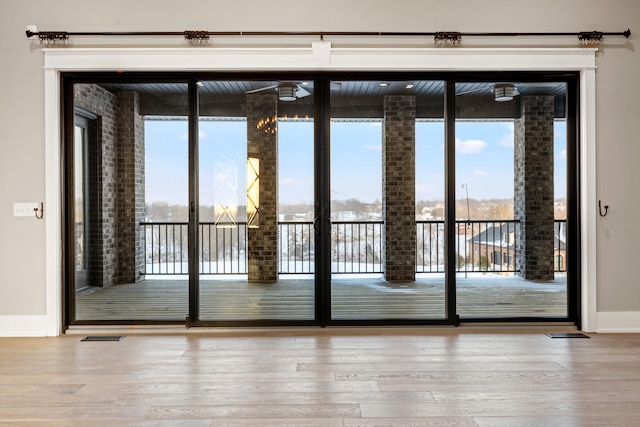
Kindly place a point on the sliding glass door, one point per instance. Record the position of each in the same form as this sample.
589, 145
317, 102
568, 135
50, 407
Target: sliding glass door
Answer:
192, 202
255, 187
387, 200
127, 201
511, 199
343, 199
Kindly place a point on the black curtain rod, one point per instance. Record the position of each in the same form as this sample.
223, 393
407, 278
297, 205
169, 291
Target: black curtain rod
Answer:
201, 34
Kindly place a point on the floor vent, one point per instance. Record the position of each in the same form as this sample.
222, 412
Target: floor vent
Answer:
568, 335
103, 338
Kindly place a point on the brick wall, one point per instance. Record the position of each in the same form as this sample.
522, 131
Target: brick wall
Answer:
116, 186
102, 173
399, 183
263, 240
533, 187
130, 188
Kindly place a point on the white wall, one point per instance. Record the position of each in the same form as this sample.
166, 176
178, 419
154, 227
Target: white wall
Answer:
22, 151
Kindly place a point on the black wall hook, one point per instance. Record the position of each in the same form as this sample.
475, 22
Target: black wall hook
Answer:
39, 212
606, 209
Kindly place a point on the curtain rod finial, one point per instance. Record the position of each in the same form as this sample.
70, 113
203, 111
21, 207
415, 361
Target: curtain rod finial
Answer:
32, 31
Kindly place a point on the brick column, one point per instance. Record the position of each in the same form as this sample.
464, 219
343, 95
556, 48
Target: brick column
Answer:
102, 177
263, 145
533, 188
398, 188
130, 188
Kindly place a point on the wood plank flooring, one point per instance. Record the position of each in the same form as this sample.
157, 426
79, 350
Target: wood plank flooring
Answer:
352, 299
329, 377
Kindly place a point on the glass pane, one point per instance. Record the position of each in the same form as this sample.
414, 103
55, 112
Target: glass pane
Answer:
136, 169
510, 184
295, 199
387, 184
256, 201
79, 190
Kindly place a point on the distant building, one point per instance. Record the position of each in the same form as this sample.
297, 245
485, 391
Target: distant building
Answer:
497, 244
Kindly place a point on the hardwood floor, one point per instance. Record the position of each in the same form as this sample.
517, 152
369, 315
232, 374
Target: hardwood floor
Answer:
322, 377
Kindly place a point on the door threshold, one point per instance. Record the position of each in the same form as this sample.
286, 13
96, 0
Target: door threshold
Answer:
329, 330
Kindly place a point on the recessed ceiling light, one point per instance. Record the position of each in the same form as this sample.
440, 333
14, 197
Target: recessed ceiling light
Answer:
200, 84
505, 91
384, 84
409, 86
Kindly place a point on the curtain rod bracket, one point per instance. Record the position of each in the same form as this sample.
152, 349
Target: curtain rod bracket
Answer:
447, 38
591, 38
52, 38
196, 37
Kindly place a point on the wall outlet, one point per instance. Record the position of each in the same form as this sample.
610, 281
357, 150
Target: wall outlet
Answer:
25, 209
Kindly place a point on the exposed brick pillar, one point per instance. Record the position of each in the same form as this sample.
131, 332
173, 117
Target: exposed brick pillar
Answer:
533, 191
102, 177
398, 187
130, 188
263, 240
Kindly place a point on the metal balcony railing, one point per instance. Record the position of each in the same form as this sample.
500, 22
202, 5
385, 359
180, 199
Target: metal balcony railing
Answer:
356, 247
297, 247
166, 247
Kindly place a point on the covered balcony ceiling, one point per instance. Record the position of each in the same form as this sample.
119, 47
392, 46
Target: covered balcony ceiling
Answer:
349, 99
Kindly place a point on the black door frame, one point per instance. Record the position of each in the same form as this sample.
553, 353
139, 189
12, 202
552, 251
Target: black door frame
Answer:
322, 213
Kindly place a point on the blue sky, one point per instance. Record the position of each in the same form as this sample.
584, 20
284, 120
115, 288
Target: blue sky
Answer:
484, 161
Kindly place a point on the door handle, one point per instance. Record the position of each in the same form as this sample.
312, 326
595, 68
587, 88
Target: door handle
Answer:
316, 226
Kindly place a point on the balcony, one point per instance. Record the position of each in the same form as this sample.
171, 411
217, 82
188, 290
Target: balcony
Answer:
486, 283
482, 246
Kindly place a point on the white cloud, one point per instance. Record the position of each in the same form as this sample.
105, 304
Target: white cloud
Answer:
562, 154
507, 139
287, 181
479, 172
373, 147
470, 146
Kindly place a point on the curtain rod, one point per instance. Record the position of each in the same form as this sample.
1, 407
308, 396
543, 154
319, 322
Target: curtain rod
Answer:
444, 37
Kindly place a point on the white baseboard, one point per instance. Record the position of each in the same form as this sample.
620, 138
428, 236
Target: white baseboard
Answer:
36, 325
618, 322
23, 326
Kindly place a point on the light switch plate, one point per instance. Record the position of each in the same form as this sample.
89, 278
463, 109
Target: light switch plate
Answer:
25, 209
